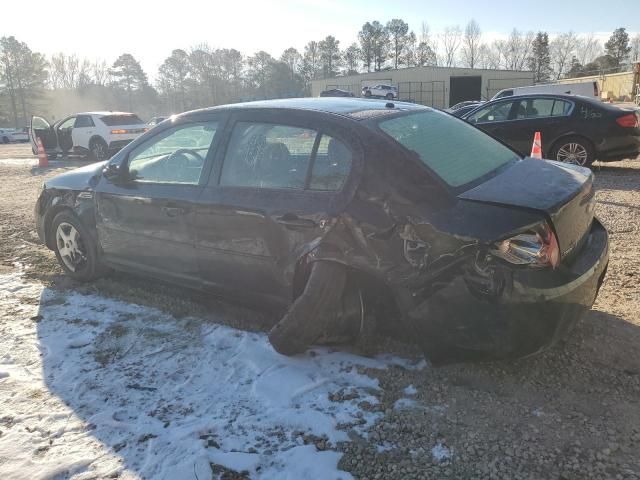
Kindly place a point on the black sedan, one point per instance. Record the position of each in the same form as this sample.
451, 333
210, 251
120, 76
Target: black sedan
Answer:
574, 129
349, 215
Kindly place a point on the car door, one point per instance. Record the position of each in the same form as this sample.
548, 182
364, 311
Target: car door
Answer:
144, 214
41, 128
272, 194
495, 119
538, 114
82, 131
64, 131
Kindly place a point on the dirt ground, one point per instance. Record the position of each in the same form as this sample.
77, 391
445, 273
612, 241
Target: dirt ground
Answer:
570, 413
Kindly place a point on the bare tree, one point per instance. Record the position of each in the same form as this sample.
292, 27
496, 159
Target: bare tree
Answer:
451, 38
635, 48
587, 48
100, 72
471, 44
516, 49
563, 48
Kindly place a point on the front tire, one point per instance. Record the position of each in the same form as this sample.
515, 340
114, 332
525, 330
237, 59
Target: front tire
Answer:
5, 140
75, 248
98, 150
574, 150
367, 93
389, 96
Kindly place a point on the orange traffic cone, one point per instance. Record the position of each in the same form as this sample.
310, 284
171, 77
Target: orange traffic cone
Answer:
43, 160
536, 149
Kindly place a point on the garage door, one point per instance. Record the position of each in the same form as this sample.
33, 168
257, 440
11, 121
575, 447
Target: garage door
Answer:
465, 88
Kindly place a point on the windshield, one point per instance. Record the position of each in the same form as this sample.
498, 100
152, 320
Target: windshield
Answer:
456, 151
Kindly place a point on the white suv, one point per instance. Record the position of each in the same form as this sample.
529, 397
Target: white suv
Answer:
8, 135
387, 91
98, 134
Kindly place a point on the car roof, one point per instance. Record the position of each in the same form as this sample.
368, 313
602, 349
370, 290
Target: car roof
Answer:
345, 106
105, 113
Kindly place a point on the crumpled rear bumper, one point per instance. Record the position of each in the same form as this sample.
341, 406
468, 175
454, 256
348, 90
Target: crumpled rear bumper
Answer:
536, 308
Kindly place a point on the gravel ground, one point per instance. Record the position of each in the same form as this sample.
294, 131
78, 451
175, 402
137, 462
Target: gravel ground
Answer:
570, 413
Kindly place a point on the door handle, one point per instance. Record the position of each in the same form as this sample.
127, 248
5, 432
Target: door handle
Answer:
173, 211
292, 220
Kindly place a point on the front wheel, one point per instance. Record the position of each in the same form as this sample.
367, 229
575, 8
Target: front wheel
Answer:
75, 248
389, 96
574, 150
5, 139
367, 93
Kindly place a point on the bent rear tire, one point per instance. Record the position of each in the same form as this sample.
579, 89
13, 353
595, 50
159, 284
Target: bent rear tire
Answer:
98, 149
310, 314
75, 248
574, 150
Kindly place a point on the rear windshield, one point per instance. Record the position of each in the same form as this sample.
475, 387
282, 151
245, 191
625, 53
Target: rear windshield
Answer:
115, 120
457, 152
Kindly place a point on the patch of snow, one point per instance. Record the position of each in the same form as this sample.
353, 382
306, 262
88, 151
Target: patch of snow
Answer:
410, 390
405, 404
441, 453
93, 387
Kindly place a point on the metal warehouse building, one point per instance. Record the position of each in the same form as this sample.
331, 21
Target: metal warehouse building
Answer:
433, 86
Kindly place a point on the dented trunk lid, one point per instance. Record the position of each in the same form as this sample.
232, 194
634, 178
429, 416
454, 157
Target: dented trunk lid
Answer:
563, 192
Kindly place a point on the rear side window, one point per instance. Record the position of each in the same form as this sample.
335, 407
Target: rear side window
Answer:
560, 108
267, 155
331, 165
116, 120
457, 152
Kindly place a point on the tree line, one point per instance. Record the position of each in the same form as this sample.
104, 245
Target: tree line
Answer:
201, 75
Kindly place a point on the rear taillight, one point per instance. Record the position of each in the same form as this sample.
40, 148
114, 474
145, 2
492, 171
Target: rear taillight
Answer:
628, 121
537, 248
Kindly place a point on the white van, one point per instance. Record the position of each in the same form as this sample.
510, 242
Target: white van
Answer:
586, 89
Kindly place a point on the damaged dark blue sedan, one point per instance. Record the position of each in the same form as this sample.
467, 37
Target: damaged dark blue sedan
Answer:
347, 215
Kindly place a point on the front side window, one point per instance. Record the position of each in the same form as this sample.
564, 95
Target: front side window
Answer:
492, 113
68, 123
456, 151
174, 156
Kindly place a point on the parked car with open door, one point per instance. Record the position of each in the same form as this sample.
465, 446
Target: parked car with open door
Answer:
96, 134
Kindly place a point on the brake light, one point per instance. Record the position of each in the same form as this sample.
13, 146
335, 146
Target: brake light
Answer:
628, 121
537, 248
120, 131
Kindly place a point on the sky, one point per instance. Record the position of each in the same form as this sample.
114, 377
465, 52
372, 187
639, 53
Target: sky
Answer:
151, 29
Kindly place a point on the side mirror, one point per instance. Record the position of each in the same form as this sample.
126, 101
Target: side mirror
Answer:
114, 173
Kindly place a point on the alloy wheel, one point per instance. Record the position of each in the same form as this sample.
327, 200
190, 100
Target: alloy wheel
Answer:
70, 246
98, 151
573, 153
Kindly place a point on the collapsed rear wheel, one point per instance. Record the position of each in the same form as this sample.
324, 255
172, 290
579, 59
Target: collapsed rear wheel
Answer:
574, 150
315, 309
98, 149
74, 247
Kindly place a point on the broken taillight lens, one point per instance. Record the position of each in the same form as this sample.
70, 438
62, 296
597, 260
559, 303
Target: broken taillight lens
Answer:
537, 248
